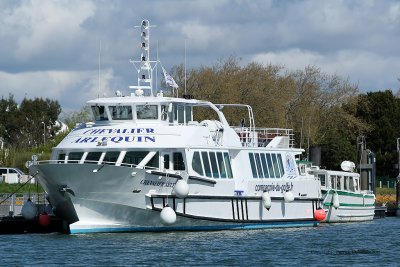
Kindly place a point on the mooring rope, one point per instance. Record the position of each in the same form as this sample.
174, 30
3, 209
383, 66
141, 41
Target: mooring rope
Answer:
16, 191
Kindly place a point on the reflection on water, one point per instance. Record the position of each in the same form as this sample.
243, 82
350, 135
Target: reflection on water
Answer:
363, 244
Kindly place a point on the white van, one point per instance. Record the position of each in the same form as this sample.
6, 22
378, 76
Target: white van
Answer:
12, 175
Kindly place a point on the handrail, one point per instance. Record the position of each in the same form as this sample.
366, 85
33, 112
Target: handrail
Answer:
261, 137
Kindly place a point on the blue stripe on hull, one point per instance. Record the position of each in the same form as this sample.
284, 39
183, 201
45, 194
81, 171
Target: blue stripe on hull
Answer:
195, 228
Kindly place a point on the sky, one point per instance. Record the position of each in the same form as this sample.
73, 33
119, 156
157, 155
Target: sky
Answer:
50, 49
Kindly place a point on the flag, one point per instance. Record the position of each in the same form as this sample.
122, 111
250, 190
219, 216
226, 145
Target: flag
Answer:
169, 80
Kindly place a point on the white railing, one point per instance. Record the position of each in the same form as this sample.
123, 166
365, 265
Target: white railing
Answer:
261, 137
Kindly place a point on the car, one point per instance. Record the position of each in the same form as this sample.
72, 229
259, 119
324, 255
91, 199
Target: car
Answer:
11, 175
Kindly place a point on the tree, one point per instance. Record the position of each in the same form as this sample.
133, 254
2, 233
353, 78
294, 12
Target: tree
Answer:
382, 111
40, 117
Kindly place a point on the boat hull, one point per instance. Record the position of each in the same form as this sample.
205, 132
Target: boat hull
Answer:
353, 207
108, 198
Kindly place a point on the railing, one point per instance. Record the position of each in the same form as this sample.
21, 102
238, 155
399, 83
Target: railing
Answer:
12, 205
261, 137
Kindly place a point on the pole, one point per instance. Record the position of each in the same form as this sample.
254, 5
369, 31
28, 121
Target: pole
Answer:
398, 178
44, 133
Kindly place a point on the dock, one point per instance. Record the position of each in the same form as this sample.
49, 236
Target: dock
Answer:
20, 225
12, 221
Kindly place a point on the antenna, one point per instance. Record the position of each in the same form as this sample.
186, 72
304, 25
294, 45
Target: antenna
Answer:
98, 96
185, 66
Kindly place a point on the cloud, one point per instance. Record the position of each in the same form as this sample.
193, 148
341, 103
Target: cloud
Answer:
71, 88
368, 69
43, 31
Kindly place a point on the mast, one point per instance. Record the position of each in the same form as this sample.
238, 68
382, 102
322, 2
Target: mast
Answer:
144, 65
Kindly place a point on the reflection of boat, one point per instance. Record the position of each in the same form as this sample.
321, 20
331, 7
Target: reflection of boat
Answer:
343, 198
147, 164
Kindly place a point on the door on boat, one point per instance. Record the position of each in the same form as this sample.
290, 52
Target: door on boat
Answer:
172, 161
166, 163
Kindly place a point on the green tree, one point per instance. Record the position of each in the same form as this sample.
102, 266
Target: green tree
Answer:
382, 111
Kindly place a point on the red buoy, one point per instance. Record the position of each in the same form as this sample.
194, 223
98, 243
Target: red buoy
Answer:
44, 219
319, 214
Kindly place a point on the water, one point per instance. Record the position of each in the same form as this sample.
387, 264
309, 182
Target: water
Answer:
356, 244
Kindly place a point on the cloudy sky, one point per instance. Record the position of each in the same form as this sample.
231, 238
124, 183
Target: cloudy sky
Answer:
50, 48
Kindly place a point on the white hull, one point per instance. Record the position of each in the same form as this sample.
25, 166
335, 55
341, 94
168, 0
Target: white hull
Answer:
116, 198
353, 207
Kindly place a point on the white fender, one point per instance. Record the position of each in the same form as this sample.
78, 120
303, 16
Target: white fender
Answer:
168, 216
335, 200
288, 196
181, 189
266, 200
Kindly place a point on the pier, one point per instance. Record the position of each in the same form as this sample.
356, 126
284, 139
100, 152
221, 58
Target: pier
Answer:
13, 222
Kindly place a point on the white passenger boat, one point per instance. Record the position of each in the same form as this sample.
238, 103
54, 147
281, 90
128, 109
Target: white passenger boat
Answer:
149, 164
343, 198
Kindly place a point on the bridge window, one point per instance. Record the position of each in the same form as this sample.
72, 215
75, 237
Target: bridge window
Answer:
99, 113
75, 156
111, 157
61, 158
147, 112
121, 112
93, 157
134, 157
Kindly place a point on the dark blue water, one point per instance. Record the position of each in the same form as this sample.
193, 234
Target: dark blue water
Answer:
356, 244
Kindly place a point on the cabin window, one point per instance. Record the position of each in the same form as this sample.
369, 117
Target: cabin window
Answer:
221, 164
181, 114
338, 182
259, 168
61, 158
121, 112
214, 166
196, 163
322, 179
264, 164
134, 157
267, 165
188, 113
356, 185
75, 156
253, 165
179, 164
147, 112
333, 182
302, 169
111, 157
164, 112
228, 165
280, 164
351, 184
93, 157
270, 166
206, 162
154, 162
346, 183
276, 166
99, 113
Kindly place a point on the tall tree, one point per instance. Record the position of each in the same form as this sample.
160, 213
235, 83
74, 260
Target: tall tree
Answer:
382, 111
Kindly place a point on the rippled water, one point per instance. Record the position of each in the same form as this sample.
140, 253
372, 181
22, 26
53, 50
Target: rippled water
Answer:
357, 244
